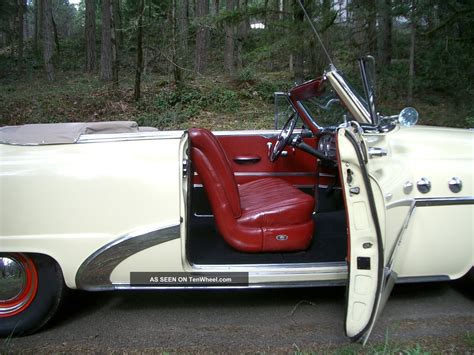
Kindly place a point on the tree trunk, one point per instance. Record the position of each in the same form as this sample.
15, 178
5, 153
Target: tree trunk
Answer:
229, 40
117, 16
242, 32
47, 38
21, 22
113, 35
176, 58
359, 33
182, 31
56, 37
139, 69
106, 42
384, 45
38, 14
90, 36
371, 11
298, 55
214, 9
411, 73
202, 37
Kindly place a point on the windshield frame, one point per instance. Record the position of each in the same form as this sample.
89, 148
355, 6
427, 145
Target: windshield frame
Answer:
347, 95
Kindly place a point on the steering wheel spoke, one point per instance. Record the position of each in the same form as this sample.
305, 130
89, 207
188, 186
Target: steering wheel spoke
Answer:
283, 138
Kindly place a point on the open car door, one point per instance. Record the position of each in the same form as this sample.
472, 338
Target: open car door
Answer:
365, 210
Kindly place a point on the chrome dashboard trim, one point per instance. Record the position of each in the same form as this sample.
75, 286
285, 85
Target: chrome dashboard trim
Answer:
94, 273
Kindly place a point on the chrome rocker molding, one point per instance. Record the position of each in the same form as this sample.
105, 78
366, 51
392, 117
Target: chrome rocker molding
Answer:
94, 273
262, 285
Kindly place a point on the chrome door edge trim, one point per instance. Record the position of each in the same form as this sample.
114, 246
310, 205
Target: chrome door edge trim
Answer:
94, 273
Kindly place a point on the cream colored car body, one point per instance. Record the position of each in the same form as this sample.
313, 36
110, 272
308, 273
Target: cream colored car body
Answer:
74, 202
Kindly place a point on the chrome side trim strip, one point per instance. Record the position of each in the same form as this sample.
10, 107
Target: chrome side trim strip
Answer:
433, 201
119, 137
400, 203
444, 201
335, 266
414, 279
289, 284
94, 273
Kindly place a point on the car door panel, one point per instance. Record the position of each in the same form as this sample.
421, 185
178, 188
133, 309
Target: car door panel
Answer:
365, 212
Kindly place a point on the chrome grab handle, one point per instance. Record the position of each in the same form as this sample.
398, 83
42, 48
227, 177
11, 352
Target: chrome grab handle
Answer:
377, 152
247, 159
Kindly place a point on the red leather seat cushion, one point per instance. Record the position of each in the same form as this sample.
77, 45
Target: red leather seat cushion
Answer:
266, 215
273, 202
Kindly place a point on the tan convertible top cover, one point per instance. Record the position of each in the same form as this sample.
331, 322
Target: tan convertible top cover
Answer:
61, 133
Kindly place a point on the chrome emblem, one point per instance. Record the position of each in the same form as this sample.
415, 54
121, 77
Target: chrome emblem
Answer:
407, 187
281, 237
455, 184
424, 185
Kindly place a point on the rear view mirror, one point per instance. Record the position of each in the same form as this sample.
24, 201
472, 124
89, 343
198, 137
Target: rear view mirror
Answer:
408, 117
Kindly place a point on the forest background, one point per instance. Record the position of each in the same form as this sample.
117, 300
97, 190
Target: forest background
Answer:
175, 64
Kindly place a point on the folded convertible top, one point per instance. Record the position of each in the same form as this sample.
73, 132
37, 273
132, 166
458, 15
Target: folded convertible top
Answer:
61, 133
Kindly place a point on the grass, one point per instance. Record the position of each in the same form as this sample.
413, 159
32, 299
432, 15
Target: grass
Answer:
453, 345
216, 102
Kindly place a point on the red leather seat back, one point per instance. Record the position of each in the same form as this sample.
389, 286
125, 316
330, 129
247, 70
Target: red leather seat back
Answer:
213, 166
268, 215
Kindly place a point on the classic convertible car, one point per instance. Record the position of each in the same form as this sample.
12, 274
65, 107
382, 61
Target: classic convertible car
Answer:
340, 195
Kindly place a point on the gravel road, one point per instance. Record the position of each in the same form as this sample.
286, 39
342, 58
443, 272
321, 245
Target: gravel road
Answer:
282, 320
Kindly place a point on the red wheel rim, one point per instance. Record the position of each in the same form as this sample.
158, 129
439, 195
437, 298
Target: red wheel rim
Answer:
17, 304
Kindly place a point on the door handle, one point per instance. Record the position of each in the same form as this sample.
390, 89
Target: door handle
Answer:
377, 152
244, 160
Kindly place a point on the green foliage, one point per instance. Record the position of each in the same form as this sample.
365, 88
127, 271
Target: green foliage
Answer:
188, 101
246, 74
470, 121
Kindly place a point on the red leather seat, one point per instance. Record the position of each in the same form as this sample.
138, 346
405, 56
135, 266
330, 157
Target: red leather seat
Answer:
265, 215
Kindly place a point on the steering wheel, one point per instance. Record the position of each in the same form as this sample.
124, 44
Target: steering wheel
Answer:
283, 138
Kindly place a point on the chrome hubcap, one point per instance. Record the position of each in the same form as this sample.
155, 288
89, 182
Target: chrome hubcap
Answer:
18, 283
12, 278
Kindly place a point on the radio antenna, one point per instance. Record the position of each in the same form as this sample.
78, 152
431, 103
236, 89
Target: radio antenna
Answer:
316, 33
